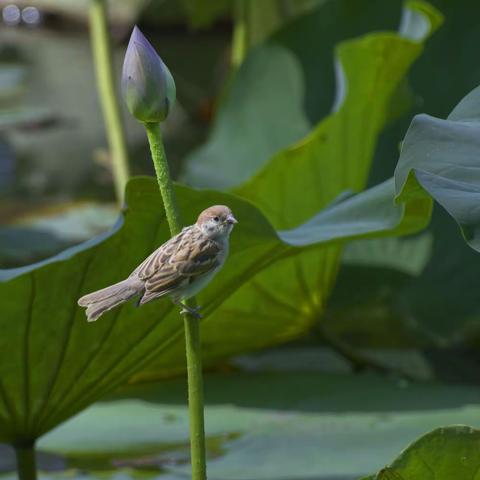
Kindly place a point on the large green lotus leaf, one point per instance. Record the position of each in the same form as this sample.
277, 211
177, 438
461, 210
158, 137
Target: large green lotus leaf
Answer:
253, 123
257, 108
46, 231
337, 154
313, 38
297, 425
443, 454
441, 157
366, 307
406, 255
53, 363
443, 300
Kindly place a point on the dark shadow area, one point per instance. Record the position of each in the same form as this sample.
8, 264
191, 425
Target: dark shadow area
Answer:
313, 392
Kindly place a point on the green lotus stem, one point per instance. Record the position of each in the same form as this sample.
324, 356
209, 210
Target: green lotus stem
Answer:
26, 462
195, 396
103, 60
192, 325
240, 34
162, 171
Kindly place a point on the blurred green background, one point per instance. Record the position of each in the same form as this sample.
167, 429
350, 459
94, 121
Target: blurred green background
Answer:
393, 353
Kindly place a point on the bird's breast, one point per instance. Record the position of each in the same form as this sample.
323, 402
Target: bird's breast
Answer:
198, 284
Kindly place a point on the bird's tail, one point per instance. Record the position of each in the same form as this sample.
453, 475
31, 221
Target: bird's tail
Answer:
101, 301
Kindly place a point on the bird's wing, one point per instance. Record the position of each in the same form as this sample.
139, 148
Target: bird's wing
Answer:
178, 262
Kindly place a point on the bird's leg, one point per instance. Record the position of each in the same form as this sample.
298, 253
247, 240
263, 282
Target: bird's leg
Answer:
186, 309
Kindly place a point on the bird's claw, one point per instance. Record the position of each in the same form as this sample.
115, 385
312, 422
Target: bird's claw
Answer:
194, 312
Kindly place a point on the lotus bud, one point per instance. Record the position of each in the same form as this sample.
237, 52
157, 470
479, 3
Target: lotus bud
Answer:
147, 85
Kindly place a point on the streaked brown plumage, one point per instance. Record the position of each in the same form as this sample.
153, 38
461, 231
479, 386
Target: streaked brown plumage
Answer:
179, 268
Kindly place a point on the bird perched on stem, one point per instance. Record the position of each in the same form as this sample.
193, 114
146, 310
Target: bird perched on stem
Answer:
179, 268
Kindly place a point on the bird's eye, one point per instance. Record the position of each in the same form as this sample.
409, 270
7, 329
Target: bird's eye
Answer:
216, 219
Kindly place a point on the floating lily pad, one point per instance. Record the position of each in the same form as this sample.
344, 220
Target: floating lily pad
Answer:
443, 454
297, 425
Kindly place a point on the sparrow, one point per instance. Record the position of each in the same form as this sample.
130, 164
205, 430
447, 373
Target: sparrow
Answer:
179, 268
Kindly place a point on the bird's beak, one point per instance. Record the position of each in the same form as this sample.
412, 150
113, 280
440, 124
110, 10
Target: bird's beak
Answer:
231, 219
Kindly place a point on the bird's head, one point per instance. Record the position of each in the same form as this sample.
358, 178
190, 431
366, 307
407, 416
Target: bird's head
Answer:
216, 221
